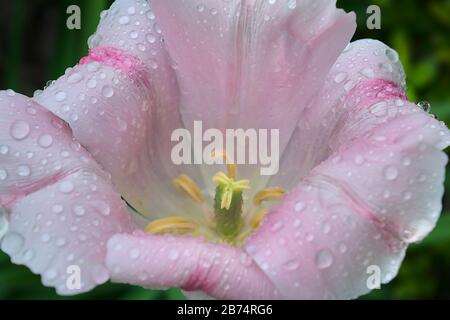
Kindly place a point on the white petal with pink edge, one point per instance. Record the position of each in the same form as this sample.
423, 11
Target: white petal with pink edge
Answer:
60, 207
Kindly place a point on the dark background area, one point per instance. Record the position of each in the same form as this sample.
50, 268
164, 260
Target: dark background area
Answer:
36, 46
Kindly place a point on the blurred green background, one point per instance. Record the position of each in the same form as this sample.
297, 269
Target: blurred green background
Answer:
35, 46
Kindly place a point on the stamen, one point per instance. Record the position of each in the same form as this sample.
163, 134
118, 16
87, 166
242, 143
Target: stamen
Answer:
268, 194
231, 167
189, 187
173, 225
257, 218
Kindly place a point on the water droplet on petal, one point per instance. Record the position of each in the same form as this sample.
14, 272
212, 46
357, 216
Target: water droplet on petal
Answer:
45, 238
66, 187
12, 243
20, 130
277, 226
340, 77
75, 78
91, 84
45, 140
324, 259
150, 38
60, 96
124, 20
4, 150
57, 208
425, 106
23, 170
201, 8
291, 265
390, 173
173, 255
300, 206
107, 91
292, 4
28, 255
134, 254
392, 55
3, 174
79, 211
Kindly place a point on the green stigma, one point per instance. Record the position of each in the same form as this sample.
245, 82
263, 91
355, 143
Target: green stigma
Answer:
228, 204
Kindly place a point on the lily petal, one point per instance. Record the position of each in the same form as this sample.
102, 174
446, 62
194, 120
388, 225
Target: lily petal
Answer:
60, 206
192, 264
367, 70
257, 64
121, 103
377, 184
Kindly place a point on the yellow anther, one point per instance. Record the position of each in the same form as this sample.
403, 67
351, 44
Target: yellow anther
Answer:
257, 218
268, 194
189, 187
229, 186
231, 167
173, 225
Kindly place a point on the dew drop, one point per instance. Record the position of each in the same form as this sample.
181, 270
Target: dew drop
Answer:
3, 174
4, 150
201, 8
390, 173
124, 20
20, 130
79, 211
66, 187
45, 140
173, 255
392, 55
291, 265
57, 208
12, 243
340, 77
134, 254
134, 34
107, 91
342, 248
104, 209
300, 206
91, 84
425, 106
75, 78
277, 226
150, 38
292, 4
60, 96
359, 160
368, 72
324, 259
28, 255
45, 238
23, 170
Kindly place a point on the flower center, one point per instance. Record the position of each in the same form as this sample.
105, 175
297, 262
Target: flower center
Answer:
225, 220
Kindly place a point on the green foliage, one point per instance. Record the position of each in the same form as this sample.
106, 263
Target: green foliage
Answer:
418, 30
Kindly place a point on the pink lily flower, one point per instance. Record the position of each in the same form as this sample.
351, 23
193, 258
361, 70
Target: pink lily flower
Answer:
86, 177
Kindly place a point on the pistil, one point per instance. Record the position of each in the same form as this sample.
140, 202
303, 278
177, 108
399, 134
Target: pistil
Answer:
228, 205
